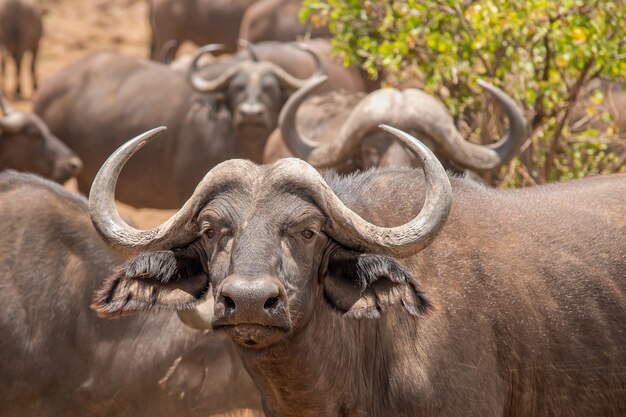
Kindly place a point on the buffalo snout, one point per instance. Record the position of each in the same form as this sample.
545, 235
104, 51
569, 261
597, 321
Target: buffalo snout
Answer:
253, 310
67, 168
251, 113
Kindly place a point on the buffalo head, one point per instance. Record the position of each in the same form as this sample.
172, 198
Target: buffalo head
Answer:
271, 242
253, 90
26, 144
411, 110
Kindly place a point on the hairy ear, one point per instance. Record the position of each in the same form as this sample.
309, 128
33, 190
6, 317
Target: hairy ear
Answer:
152, 280
363, 285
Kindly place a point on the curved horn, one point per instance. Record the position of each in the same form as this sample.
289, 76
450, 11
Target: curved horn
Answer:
165, 54
4, 105
249, 48
483, 158
413, 110
299, 145
198, 318
177, 231
201, 84
296, 83
350, 229
380, 107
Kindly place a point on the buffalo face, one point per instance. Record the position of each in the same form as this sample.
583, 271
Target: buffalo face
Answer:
254, 90
255, 99
275, 244
26, 144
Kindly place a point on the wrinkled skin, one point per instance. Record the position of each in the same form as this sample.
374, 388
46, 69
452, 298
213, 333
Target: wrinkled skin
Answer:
96, 103
58, 359
26, 144
516, 308
199, 21
20, 32
277, 20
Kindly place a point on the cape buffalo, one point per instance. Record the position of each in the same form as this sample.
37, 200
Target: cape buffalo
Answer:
199, 21
277, 20
58, 359
20, 32
291, 57
26, 144
339, 130
98, 101
344, 302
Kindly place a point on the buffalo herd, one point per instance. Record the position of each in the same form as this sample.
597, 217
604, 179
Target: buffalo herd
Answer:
333, 249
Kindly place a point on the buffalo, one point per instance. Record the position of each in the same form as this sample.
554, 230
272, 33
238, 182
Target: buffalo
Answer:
199, 21
390, 292
26, 144
339, 130
293, 58
57, 358
21, 28
277, 20
101, 99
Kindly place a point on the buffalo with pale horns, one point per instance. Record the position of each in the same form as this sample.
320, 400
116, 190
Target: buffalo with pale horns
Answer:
339, 130
57, 358
391, 292
95, 103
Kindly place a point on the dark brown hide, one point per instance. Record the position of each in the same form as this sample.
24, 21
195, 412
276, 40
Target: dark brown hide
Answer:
26, 144
277, 20
98, 102
516, 308
199, 21
20, 32
58, 359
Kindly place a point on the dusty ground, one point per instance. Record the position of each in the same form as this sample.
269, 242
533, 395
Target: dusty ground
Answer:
73, 28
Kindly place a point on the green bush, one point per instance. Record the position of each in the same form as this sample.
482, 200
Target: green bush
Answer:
546, 54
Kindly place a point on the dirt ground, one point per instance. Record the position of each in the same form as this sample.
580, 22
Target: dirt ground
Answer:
73, 28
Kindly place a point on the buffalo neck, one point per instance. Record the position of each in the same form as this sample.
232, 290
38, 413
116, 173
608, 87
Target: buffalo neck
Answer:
249, 143
335, 367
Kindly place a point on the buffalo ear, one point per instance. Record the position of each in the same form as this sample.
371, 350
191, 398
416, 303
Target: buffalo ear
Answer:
363, 285
152, 280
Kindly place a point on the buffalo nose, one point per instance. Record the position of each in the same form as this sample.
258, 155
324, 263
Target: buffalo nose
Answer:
251, 109
250, 299
74, 165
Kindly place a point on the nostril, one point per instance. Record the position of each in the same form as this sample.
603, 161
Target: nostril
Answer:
229, 303
271, 302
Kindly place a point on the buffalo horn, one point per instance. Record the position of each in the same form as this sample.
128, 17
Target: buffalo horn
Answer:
249, 49
200, 83
345, 226
352, 230
383, 106
484, 158
179, 230
296, 83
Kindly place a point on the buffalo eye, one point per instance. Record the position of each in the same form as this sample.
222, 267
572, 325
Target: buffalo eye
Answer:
210, 233
308, 234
